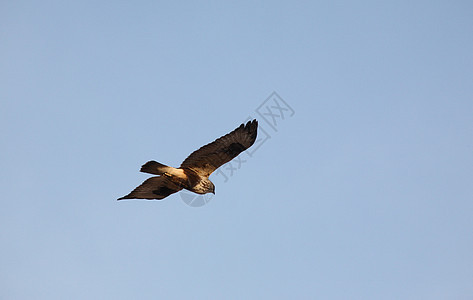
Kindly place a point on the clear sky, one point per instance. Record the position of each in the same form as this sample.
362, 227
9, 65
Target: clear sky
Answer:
363, 191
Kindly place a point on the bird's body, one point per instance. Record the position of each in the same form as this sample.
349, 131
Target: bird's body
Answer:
194, 172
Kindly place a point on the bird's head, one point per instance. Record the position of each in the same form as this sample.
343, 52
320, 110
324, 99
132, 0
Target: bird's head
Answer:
208, 187
211, 188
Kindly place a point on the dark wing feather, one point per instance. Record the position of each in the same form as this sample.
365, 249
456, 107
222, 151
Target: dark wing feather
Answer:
157, 187
211, 156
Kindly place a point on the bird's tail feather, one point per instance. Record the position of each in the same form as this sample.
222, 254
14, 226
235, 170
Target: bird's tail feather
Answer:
153, 167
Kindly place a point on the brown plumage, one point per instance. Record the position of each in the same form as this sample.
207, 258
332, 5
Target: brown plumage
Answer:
194, 172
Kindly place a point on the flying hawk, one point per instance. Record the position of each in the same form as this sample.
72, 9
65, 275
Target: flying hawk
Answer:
194, 172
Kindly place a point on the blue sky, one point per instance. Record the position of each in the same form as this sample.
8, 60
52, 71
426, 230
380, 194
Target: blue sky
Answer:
365, 192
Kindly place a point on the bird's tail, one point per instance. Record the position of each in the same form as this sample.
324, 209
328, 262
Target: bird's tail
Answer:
153, 167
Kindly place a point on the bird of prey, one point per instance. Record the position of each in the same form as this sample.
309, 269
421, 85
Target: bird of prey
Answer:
194, 172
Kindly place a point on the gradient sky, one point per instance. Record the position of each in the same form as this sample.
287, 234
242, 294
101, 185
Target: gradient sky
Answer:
363, 191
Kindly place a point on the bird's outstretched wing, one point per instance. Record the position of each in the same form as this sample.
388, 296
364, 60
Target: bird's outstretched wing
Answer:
211, 156
158, 187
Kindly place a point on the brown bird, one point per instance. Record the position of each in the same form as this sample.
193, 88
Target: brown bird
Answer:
194, 172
